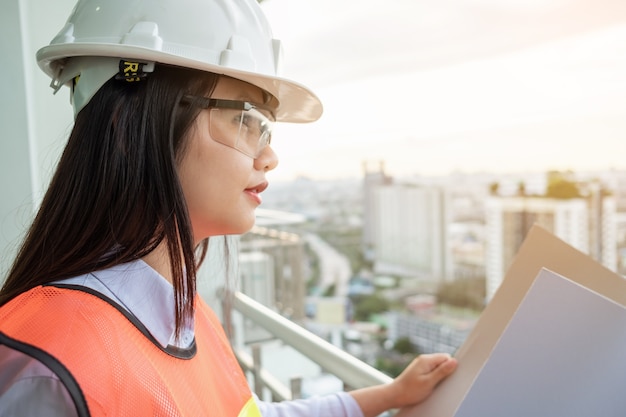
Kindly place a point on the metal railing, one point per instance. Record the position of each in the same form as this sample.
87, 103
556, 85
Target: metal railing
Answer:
353, 372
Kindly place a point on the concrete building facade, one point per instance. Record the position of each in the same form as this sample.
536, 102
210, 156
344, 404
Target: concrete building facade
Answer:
583, 223
411, 231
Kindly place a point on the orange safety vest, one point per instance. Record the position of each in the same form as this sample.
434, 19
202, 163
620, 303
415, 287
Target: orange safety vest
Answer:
113, 368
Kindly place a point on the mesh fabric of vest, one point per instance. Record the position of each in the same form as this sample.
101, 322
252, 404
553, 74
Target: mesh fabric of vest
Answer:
122, 372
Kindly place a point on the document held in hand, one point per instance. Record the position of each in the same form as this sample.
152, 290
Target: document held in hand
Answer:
550, 343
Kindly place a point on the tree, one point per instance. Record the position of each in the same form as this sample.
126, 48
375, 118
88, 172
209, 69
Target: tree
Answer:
330, 291
561, 187
465, 293
403, 345
521, 188
563, 190
366, 305
494, 188
394, 361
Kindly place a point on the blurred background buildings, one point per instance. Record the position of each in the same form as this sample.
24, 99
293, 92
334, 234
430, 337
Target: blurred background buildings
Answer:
423, 254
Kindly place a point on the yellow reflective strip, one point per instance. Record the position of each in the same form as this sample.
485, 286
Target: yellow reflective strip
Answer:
250, 409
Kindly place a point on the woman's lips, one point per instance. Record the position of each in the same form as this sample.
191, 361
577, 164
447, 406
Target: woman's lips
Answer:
255, 192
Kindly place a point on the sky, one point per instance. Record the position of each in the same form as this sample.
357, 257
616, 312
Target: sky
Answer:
438, 86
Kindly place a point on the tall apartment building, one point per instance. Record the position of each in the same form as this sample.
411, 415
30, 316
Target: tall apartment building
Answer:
588, 224
410, 229
373, 176
603, 230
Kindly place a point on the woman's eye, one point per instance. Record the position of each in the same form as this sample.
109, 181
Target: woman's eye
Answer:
248, 121
243, 119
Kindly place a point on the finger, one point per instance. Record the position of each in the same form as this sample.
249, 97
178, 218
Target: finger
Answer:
444, 369
429, 362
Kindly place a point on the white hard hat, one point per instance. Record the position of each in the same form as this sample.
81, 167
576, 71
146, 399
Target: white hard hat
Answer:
230, 37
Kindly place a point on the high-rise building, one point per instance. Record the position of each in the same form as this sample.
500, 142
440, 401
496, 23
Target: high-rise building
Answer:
410, 226
587, 224
373, 176
603, 231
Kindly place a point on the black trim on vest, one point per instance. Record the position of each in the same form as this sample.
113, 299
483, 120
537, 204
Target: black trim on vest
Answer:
65, 376
180, 353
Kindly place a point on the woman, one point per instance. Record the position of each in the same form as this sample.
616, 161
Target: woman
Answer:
174, 103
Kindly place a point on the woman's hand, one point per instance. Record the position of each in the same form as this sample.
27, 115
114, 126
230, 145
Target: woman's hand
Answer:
412, 386
418, 380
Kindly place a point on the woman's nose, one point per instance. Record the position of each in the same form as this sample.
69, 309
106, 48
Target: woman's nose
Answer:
267, 159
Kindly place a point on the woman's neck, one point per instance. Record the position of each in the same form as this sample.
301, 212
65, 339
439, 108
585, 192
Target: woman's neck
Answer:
159, 260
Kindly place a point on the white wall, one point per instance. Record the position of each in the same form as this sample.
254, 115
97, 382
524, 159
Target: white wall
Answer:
34, 124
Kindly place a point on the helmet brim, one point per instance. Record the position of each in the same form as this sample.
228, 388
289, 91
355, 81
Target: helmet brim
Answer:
296, 103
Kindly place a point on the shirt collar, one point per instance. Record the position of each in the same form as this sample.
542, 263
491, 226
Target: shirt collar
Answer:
144, 293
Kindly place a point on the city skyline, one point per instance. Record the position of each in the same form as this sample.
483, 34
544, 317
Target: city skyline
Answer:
479, 86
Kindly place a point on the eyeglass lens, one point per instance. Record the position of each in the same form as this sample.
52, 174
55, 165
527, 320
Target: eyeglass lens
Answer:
248, 131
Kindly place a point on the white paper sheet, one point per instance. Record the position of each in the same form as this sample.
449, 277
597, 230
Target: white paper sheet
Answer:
561, 355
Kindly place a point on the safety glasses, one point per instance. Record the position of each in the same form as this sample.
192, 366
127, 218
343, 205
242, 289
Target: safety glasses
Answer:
241, 125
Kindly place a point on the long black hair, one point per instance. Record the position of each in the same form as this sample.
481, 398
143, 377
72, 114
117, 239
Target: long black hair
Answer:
115, 195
